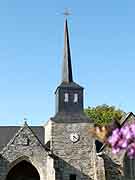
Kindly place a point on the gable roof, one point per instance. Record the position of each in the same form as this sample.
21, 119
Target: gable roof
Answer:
8, 132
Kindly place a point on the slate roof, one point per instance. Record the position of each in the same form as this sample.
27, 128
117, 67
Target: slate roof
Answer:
70, 85
65, 117
67, 66
7, 133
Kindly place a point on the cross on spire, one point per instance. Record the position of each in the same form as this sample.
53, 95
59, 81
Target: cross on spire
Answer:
66, 13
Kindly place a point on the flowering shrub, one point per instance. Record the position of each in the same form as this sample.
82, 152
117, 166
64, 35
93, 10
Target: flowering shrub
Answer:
123, 138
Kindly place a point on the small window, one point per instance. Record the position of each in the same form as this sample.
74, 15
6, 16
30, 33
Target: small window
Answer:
72, 177
66, 97
75, 98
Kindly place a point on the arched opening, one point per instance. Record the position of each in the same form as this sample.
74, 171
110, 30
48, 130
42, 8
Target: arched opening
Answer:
23, 171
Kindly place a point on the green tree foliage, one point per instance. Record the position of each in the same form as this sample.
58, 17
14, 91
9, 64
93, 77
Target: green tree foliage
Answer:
104, 114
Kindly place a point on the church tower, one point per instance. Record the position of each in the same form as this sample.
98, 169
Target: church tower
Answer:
68, 131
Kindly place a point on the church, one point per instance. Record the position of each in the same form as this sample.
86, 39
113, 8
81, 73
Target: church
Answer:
62, 149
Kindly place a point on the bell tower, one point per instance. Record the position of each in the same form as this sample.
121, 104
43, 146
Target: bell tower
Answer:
68, 131
69, 95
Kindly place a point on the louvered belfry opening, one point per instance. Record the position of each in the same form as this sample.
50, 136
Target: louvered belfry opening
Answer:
23, 171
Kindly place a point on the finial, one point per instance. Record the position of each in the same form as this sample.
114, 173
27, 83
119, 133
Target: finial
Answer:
25, 119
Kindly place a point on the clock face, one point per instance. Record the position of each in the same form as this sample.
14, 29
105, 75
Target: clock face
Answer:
74, 137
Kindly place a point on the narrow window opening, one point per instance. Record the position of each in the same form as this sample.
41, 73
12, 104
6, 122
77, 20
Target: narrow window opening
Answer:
75, 98
66, 97
72, 177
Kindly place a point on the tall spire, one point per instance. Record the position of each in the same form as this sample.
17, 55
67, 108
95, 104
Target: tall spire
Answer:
67, 66
69, 95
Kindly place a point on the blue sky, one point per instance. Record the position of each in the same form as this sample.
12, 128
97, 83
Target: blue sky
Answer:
102, 37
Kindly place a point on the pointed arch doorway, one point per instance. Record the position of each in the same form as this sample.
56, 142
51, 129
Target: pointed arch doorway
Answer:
23, 171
